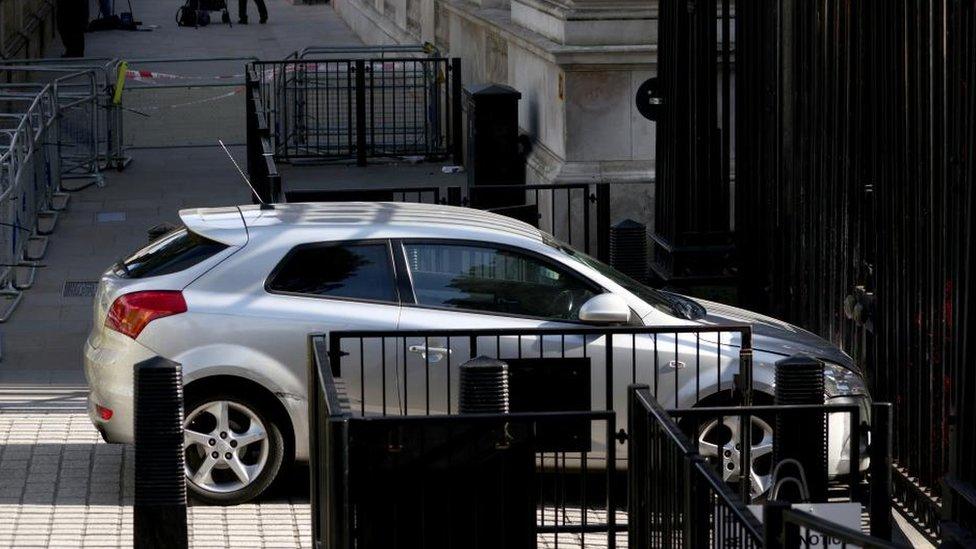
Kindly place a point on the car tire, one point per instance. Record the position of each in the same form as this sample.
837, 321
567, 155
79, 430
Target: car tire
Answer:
271, 454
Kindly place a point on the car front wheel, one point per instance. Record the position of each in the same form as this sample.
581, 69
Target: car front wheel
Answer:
232, 450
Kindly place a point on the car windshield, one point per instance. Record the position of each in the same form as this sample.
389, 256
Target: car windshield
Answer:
667, 302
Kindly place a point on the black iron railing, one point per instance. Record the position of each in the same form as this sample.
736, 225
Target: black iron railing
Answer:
678, 498
328, 451
675, 499
786, 528
452, 480
419, 195
261, 167
854, 203
575, 213
409, 372
363, 108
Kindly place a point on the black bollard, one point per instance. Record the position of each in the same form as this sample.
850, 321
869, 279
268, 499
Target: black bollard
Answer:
801, 436
159, 507
628, 248
484, 386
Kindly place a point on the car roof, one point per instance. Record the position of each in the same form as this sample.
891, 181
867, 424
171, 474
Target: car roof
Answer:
389, 219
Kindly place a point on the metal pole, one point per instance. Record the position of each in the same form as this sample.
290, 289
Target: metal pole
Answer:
360, 112
880, 452
159, 504
603, 222
457, 136
773, 524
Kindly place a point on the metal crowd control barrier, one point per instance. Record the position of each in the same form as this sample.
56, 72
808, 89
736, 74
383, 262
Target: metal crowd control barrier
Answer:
109, 127
367, 51
79, 125
30, 175
333, 109
180, 102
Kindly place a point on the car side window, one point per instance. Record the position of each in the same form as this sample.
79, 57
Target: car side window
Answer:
343, 270
496, 280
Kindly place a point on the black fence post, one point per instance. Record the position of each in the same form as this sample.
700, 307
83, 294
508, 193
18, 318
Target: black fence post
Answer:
696, 506
274, 188
457, 135
360, 112
603, 222
253, 147
880, 453
159, 506
773, 524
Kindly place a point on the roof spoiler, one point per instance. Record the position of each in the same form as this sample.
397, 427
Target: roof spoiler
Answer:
224, 225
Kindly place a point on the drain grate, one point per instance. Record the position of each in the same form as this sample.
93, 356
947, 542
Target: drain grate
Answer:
79, 288
109, 217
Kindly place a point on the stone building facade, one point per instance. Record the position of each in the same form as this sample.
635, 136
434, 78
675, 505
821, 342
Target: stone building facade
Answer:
26, 28
577, 63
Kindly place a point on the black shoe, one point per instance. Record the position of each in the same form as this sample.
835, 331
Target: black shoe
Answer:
242, 21
263, 20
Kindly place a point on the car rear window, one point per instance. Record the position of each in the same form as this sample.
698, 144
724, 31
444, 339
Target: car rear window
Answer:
350, 270
171, 253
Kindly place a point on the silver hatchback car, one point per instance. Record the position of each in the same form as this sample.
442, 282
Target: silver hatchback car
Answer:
233, 294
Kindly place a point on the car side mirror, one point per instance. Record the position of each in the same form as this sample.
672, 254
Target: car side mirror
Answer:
605, 309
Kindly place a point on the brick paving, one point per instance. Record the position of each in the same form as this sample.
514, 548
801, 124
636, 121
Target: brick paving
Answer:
61, 486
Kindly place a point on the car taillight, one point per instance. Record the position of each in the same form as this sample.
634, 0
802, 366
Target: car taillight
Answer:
132, 312
103, 412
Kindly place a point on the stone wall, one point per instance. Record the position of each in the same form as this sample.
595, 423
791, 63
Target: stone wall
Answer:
578, 65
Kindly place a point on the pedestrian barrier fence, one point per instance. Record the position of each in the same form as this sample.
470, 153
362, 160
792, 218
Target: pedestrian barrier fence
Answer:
32, 169
80, 128
179, 102
108, 129
372, 51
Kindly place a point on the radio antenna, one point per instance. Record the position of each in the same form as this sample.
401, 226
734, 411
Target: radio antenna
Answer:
264, 205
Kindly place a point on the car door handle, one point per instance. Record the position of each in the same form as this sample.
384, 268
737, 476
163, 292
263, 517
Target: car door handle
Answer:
424, 350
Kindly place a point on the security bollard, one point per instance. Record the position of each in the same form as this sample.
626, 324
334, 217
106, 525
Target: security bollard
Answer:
483, 386
159, 507
799, 380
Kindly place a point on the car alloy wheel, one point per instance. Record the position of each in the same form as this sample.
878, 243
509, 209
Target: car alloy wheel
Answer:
226, 446
721, 444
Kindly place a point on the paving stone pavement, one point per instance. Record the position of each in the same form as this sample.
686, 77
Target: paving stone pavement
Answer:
61, 486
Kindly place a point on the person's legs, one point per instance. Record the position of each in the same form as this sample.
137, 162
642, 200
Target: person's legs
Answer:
72, 21
242, 12
262, 10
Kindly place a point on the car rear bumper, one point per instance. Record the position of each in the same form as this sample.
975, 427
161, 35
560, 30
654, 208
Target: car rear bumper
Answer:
109, 361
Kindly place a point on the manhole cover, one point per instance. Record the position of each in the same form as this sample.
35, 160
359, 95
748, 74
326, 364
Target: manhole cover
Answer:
79, 288
109, 217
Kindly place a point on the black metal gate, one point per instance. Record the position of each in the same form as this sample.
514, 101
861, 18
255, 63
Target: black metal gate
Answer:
362, 108
854, 201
